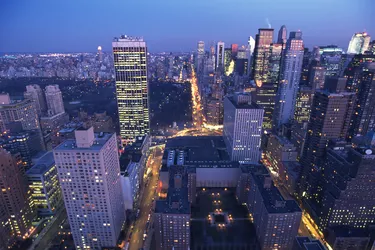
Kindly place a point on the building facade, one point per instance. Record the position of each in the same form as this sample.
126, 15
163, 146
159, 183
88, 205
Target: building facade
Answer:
35, 93
89, 175
242, 128
130, 60
359, 43
54, 100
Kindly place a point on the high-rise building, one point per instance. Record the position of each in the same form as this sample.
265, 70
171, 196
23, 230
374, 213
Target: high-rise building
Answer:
242, 128
264, 97
260, 68
251, 45
347, 197
228, 58
303, 105
290, 74
329, 120
317, 78
276, 220
35, 93
234, 49
130, 60
54, 100
371, 48
172, 216
219, 56
17, 213
100, 54
89, 173
331, 58
274, 62
363, 119
283, 35
200, 57
22, 111
44, 185
359, 43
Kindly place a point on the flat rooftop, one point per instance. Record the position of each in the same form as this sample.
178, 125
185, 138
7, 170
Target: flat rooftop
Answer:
237, 234
177, 201
199, 150
42, 165
100, 140
242, 105
307, 243
272, 198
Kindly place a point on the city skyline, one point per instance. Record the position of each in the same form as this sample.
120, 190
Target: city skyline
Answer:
84, 33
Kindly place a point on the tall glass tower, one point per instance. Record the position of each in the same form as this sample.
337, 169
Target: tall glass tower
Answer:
130, 61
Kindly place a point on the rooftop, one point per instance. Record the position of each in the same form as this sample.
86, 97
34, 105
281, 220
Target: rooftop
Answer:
199, 150
42, 165
100, 140
272, 198
241, 104
177, 197
306, 243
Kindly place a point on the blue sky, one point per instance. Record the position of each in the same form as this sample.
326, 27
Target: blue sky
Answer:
174, 25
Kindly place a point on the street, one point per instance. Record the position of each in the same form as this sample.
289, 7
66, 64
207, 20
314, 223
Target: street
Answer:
146, 204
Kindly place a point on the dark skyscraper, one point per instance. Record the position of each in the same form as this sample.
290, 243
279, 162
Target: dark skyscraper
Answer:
329, 120
363, 119
260, 71
282, 36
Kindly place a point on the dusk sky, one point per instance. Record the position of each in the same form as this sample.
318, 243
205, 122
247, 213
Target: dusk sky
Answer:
174, 25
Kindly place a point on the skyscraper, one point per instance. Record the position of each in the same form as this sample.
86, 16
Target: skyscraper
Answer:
331, 58
303, 105
54, 100
274, 62
363, 119
227, 59
23, 111
290, 73
359, 43
234, 49
100, 54
200, 57
260, 70
276, 220
219, 56
317, 77
282, 36
242, 128
347, 197
17, 213
89, 173
130, 60
35, 93
329, 120
251, 45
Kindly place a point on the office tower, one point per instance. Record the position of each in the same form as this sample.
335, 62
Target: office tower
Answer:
363, 119
89, 174
100, 54
274, 62
335, 84
54, 100
347, 196
242, 128
283, 35
359, 43
331, 58
260, 70
234, 49
172, 215
35, 93
17, 214
241, 53
264, 97
130, 60
219, 56
276, 220
44, 185
242, 67
371, 48
290, 73
26, 143
200, 57
303, 105
329, 120
228, 58
305, 67
251, 45
23, 111
317, 77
